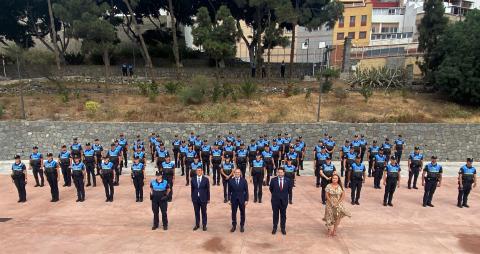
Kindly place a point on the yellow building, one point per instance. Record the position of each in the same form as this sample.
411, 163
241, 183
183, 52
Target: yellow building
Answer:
356, 23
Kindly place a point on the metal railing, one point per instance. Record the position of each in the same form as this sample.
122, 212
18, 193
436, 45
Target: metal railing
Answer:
410, 49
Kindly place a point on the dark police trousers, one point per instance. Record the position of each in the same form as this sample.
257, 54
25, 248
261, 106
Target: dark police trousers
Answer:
138, 183
390, 187
197, 206
464, 192
291, 176
225, 187
90, 166
317, 171
413, 173
324, 184
269, 166
169, 178
257, 185
377, 176
176, 152
79, 184
216, 172
52, 178
206, 165
117, 169
235, 206
107, 179
243, 168
67, 174
398, 156
430, 187
159, 200
356, 186
19, 180
370, 165
36, 172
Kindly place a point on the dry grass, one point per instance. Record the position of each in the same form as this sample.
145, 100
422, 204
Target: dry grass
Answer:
268, 108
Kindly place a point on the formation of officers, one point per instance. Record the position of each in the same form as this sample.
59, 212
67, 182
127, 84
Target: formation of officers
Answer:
228, 159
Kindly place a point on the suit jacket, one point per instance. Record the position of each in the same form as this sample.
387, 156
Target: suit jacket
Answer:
280, 196
238, 192
202, 191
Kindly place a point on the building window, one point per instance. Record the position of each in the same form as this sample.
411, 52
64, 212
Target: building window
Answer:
340, 36
351, 35
341, 22
362, 35
364, 20
352, 21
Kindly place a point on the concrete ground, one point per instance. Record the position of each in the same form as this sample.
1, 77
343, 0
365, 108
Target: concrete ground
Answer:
124, 226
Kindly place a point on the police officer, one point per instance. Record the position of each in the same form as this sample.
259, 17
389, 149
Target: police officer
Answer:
290, 173
299, 148
238, 142
19, 178
343, 153
320, 159
90, 160
415, 163
98, 148
363, 146
293, 156
399, 146
327, 170
252, 152
122, 141
241, 159
219, 142
140, 154
107, 173
205, 156
467, 178
387, 148
168, 170
229, 150
431, 179
192, 138
160, 154
371, 152
159, 193
267, 157
198, 143
391, 180
138, 178
230, 137
194, 166
356, 144
78, 175
36, 165
152, 144
216, 158
227, 172
286, 141
115, 155
138, 144
183, 153
357, 175
380, 162
277, 154
52, 172
258, 171
330, 145
260, 144
176, 143
189, 159
348, 161
76, 148
65, 161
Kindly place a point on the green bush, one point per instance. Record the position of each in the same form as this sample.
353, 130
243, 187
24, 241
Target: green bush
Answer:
39, 57
296, 91
308, 94
217, 91
327, 86
227, 89
341, 94
172, 87
74, 58
378, 78
366, 91
221, 113
248, 88
191, 95
2, 111
92, 108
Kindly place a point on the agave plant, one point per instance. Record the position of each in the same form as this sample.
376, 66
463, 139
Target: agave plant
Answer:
378, 78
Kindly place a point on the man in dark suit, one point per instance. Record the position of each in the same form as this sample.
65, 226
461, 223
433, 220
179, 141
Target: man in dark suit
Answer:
238, 196
200, 192
280, 187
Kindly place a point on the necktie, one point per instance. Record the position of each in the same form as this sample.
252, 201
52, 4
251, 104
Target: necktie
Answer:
281, 183
238, 181
198, 181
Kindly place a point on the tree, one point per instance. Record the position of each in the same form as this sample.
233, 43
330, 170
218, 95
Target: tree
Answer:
457, 49
53, 35
326, 83
217, 37
431, 27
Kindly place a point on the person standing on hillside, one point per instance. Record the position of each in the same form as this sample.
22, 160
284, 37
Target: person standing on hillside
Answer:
282, 69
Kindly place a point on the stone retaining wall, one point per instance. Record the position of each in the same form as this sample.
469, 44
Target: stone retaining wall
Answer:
452, 142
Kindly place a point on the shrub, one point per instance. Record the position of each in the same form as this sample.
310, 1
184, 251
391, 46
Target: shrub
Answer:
227, 89
172, 87
92, 108
289, 90
248, 89
39, 57
341, 94
378, 78
191, 95
308, 94
366, 91
221, 113
217, 91
296, 91
74, 58
2, 111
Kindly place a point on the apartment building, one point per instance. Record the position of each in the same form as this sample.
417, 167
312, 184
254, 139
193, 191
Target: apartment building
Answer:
355, 23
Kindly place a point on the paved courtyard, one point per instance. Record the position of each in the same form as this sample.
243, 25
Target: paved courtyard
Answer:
124, 226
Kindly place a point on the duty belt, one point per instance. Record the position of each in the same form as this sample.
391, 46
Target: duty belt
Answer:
169, 171
257, 170
65, 162
357, 175
35, 163
467, 178
216, 160
137, 172
392, 174
107, 171
89, 159
50, 170
241, 159
18, 172
328, 173
77, 173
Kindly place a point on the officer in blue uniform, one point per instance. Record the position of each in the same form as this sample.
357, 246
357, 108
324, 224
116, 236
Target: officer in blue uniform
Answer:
168, 168
189, 159
252, 152
380, 162
197, 163
371, 152
230, 137
320, 159
219, 142
357, 174
52, 172
343, 155
399, 146
387, 148
363, 146
227, 173
277, 154
415, 164
229, 150
299, 148
161, 154
286, 141
138, 177
140, 154
107, 173
348, 161
122, 141
267, 157
191, 139
98, 148
356, 144
19, 178
159, 193
65, 161
78, 175
152, 140
238, 142
431, 179
257, 171
198, 145
327, 170
36, 165
241, 159
216, 158
467, 179
76, 148
176, 143
138, 143
391, 180
183, 153
260, 144
115, 155
90, 160
290, 173
205, 155
330, 145
293, 156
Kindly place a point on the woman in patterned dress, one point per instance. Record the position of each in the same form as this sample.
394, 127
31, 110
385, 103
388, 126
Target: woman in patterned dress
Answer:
334, 210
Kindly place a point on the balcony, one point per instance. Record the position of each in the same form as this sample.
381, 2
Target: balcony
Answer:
388, 11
